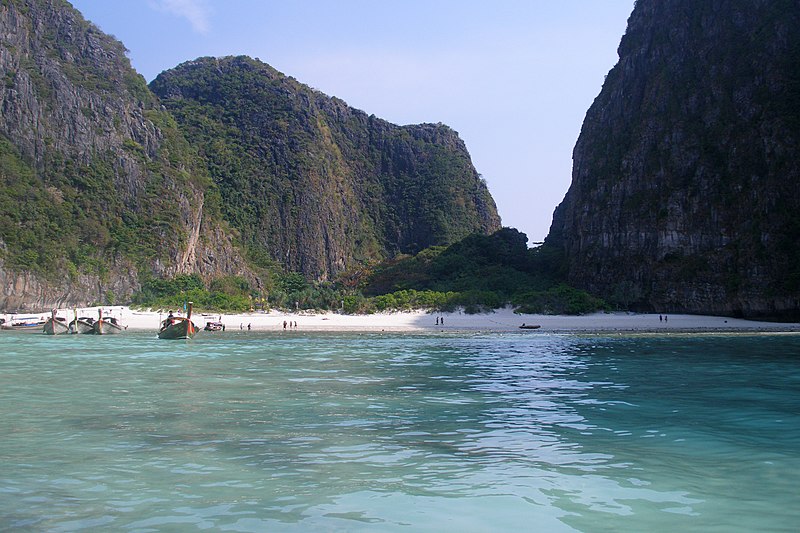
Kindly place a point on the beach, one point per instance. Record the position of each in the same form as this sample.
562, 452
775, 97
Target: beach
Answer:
425, 321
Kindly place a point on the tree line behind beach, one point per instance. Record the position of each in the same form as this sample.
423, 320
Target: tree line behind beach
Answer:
477, 274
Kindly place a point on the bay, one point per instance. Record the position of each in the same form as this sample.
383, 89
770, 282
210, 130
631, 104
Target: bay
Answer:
399, 432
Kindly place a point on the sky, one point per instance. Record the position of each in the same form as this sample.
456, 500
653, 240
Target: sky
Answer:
513, 77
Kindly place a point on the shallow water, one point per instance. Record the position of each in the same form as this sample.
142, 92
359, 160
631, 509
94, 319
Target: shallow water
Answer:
399, 432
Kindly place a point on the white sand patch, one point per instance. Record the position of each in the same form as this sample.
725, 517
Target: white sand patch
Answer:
500, 320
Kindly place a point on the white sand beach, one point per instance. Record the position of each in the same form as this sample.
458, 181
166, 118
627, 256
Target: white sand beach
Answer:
421, 321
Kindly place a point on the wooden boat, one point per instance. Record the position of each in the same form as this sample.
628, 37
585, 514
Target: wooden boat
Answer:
55, 325
529, 326
178, 327
81, 325
84, 325
106, 325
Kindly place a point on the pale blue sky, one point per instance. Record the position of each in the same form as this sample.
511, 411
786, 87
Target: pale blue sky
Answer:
513, 77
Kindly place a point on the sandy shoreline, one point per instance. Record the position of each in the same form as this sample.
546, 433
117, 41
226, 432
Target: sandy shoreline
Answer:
421, 321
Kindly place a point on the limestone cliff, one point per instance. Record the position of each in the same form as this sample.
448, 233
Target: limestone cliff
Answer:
103, 187
684, 187
97, 186
319, 186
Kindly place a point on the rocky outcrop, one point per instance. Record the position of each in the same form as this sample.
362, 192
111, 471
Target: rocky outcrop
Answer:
319, 186
683, 195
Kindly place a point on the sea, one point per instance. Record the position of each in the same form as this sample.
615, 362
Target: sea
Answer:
387, 432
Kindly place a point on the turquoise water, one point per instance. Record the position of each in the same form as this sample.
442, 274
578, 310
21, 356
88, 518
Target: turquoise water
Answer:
386, 432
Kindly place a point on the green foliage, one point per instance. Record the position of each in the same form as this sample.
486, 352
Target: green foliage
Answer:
500, 263
31, 216
292, 282
232, 285
560, 300
224, 294
406, 300
478, 274
159, 288
476, 301
355, 304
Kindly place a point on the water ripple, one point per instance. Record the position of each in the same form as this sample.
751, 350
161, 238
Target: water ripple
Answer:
391, 432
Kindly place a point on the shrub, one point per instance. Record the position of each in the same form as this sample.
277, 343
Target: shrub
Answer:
560, 300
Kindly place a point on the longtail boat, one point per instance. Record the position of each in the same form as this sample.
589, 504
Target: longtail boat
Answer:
106, 325
82, 325
55, 325
178, 327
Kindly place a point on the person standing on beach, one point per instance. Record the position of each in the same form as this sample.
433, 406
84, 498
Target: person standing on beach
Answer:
284, 325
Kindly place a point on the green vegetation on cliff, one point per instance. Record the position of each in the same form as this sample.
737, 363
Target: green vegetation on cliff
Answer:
93, 173
317, 185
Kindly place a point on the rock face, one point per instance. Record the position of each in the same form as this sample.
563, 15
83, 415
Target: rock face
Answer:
684, 187
101, 187
97, 186
317, 185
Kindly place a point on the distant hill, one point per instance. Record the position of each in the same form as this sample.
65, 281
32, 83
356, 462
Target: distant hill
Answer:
103, 186
684, 188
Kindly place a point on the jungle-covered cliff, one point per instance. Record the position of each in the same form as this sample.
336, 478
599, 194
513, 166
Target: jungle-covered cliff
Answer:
684, 192
315, 183
101, 188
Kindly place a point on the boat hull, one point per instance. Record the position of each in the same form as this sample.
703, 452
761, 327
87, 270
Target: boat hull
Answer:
106, 327
55, 327
180, 328
82, 326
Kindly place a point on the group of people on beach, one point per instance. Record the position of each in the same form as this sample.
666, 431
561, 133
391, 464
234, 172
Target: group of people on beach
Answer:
286, 324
